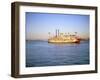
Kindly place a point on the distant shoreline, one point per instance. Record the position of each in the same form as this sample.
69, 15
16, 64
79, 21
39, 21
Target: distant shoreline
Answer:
47, 40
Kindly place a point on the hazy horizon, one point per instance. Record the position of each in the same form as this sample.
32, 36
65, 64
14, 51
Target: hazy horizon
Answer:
38, 25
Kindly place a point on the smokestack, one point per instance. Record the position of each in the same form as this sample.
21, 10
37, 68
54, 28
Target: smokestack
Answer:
58, 32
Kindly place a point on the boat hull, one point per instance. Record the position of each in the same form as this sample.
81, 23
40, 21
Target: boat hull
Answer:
64, 42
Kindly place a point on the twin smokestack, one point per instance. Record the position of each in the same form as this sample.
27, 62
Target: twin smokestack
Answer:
57, 32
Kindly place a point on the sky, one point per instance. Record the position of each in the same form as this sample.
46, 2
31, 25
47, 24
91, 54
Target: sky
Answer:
38, 25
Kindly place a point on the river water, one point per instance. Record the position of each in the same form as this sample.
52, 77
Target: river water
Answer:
41, 53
